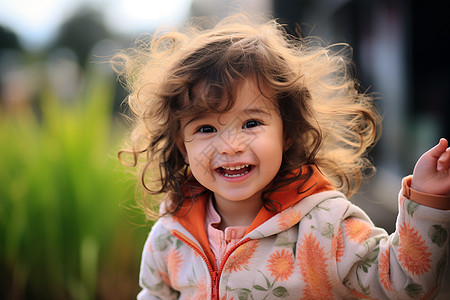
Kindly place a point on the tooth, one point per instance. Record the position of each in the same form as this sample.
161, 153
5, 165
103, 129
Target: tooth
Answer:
233, 168
235, 175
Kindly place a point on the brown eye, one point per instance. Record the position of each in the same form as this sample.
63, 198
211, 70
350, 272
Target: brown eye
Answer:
251, 124
206, 129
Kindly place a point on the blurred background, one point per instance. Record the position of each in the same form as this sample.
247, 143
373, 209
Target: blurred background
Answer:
69, 228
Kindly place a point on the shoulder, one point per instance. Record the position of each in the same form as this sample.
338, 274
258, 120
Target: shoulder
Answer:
160, 237
159, 227
333, 209
332, 204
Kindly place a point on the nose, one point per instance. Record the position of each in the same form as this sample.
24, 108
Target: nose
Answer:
230, 142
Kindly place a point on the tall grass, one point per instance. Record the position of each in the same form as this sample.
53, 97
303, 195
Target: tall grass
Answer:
65, 232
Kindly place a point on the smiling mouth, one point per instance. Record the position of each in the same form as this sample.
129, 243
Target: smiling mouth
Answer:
234, 171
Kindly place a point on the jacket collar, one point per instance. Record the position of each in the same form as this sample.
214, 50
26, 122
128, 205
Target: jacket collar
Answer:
192, 214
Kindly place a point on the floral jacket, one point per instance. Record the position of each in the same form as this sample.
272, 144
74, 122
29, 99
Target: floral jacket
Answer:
320, 246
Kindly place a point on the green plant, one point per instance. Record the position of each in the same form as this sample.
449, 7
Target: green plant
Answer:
64, 230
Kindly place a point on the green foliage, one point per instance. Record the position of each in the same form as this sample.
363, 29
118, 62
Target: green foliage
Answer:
65, 229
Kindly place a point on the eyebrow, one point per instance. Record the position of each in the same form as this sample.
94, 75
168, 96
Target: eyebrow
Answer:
195, 118
256, 110
247, 111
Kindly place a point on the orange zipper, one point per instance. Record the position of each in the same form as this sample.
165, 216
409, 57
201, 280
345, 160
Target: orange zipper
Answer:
222, 264
212, 272
215, 276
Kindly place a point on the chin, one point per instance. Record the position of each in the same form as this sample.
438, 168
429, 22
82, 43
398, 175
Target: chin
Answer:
237, 196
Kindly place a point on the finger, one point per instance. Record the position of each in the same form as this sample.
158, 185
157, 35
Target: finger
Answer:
439, 149
443, 162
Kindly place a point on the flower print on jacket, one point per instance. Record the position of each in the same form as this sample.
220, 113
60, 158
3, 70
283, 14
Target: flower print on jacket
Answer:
288, 218
312, 259
337, 246
384, 270
202, 289
174, 262
241, 256
332, 252
413, 251
281, 264
357, 230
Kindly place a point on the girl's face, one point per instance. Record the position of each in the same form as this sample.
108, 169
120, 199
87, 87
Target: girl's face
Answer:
237, 153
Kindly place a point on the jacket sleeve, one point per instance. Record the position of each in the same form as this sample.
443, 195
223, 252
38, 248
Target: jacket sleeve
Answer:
153, 277
408, 264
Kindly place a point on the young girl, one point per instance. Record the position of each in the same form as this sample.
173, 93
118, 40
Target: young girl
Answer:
256, 139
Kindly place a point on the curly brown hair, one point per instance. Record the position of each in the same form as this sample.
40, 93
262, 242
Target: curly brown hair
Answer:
327, 121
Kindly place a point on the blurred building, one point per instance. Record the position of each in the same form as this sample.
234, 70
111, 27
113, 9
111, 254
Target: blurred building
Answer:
399, 52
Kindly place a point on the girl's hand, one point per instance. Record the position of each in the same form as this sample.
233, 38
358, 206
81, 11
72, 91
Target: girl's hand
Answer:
432, 171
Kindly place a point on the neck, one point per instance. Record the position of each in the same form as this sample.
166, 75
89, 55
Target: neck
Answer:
237, 213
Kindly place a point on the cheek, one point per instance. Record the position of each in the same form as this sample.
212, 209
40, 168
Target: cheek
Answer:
272, 150
200, 165
273, 156
196, 156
